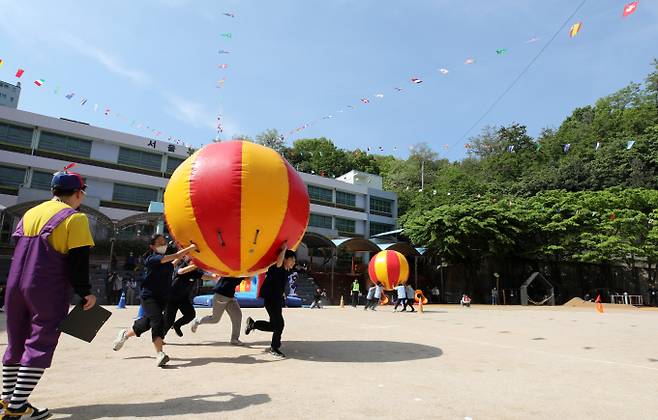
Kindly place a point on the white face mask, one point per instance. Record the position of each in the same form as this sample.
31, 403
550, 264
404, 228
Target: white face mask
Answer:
161, 249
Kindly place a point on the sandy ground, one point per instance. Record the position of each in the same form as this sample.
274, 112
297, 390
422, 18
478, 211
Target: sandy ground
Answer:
448, 363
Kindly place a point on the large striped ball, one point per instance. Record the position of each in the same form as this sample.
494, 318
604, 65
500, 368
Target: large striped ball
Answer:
237, 202
389, 267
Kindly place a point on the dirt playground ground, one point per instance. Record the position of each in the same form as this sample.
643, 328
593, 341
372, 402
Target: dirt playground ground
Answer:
344, 363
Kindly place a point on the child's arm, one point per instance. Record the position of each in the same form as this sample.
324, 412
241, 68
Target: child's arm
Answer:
180, 254
282, 254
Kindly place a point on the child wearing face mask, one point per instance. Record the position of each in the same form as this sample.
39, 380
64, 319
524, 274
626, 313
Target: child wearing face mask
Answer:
158, 270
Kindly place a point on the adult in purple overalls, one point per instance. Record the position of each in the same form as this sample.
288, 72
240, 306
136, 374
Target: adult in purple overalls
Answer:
51, 256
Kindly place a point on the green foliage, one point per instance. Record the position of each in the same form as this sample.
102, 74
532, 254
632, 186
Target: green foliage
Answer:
515, 195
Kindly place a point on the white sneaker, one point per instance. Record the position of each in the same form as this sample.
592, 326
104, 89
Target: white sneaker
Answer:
162, 359
195, 325
120, 341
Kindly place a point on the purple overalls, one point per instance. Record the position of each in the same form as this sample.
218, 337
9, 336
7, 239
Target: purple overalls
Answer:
37, 297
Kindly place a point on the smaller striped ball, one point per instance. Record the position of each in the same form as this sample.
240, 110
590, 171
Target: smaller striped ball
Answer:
389, 267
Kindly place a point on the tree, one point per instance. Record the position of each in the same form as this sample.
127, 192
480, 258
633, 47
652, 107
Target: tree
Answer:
272, 139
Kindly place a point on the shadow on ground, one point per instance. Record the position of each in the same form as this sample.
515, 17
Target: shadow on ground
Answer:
187, 406
177, 362
356, 351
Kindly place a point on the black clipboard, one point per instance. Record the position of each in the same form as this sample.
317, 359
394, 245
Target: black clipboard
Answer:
84, 324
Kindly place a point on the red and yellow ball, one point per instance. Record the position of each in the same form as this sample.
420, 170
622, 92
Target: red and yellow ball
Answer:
389, 267
237, 202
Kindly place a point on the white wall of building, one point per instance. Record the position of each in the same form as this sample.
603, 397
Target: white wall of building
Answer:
104, 151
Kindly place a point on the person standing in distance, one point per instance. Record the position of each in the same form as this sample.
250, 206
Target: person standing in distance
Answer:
51, 256
355, 293
272, 291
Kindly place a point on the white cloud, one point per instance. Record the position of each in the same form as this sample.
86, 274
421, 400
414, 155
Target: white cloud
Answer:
107, 60
190, 112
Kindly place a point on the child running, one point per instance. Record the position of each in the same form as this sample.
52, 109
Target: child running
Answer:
370, 296
224, 300
185, 278
155, 290
402, 297
272, 291
411, 296
379, 289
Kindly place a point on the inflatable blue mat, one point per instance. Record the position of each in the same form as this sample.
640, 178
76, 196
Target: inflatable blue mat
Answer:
205, 301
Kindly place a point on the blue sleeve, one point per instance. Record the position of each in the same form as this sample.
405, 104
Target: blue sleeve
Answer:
153, 260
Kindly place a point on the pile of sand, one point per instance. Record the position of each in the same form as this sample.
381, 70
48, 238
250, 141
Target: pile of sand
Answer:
578, 303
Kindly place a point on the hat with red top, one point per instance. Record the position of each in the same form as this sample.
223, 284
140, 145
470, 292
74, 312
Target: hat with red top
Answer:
68, 181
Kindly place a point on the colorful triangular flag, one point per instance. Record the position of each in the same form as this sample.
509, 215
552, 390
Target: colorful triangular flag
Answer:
575, 28
630, 8
365, 101
19, 73
501, 51
39, 82
416, 80
70, 95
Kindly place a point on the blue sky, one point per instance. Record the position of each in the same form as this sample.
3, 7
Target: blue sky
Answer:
294, 61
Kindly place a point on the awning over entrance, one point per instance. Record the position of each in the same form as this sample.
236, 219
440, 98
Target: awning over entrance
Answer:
403, 248
19, 209
315, 240
357, 245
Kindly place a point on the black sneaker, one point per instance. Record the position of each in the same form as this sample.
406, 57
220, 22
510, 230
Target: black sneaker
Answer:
27, 411
277, 353
248, 326
178, 331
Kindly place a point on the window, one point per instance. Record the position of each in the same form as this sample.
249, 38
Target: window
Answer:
345, 199
136, 195
11, 177
140, 159
172, 164
16, 136
64, 145
41, 180
345, 225
377, 228
320, 194
320, 221
381, 206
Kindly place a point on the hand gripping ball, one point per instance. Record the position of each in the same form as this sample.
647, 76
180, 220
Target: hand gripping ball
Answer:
389, 267
237, 202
